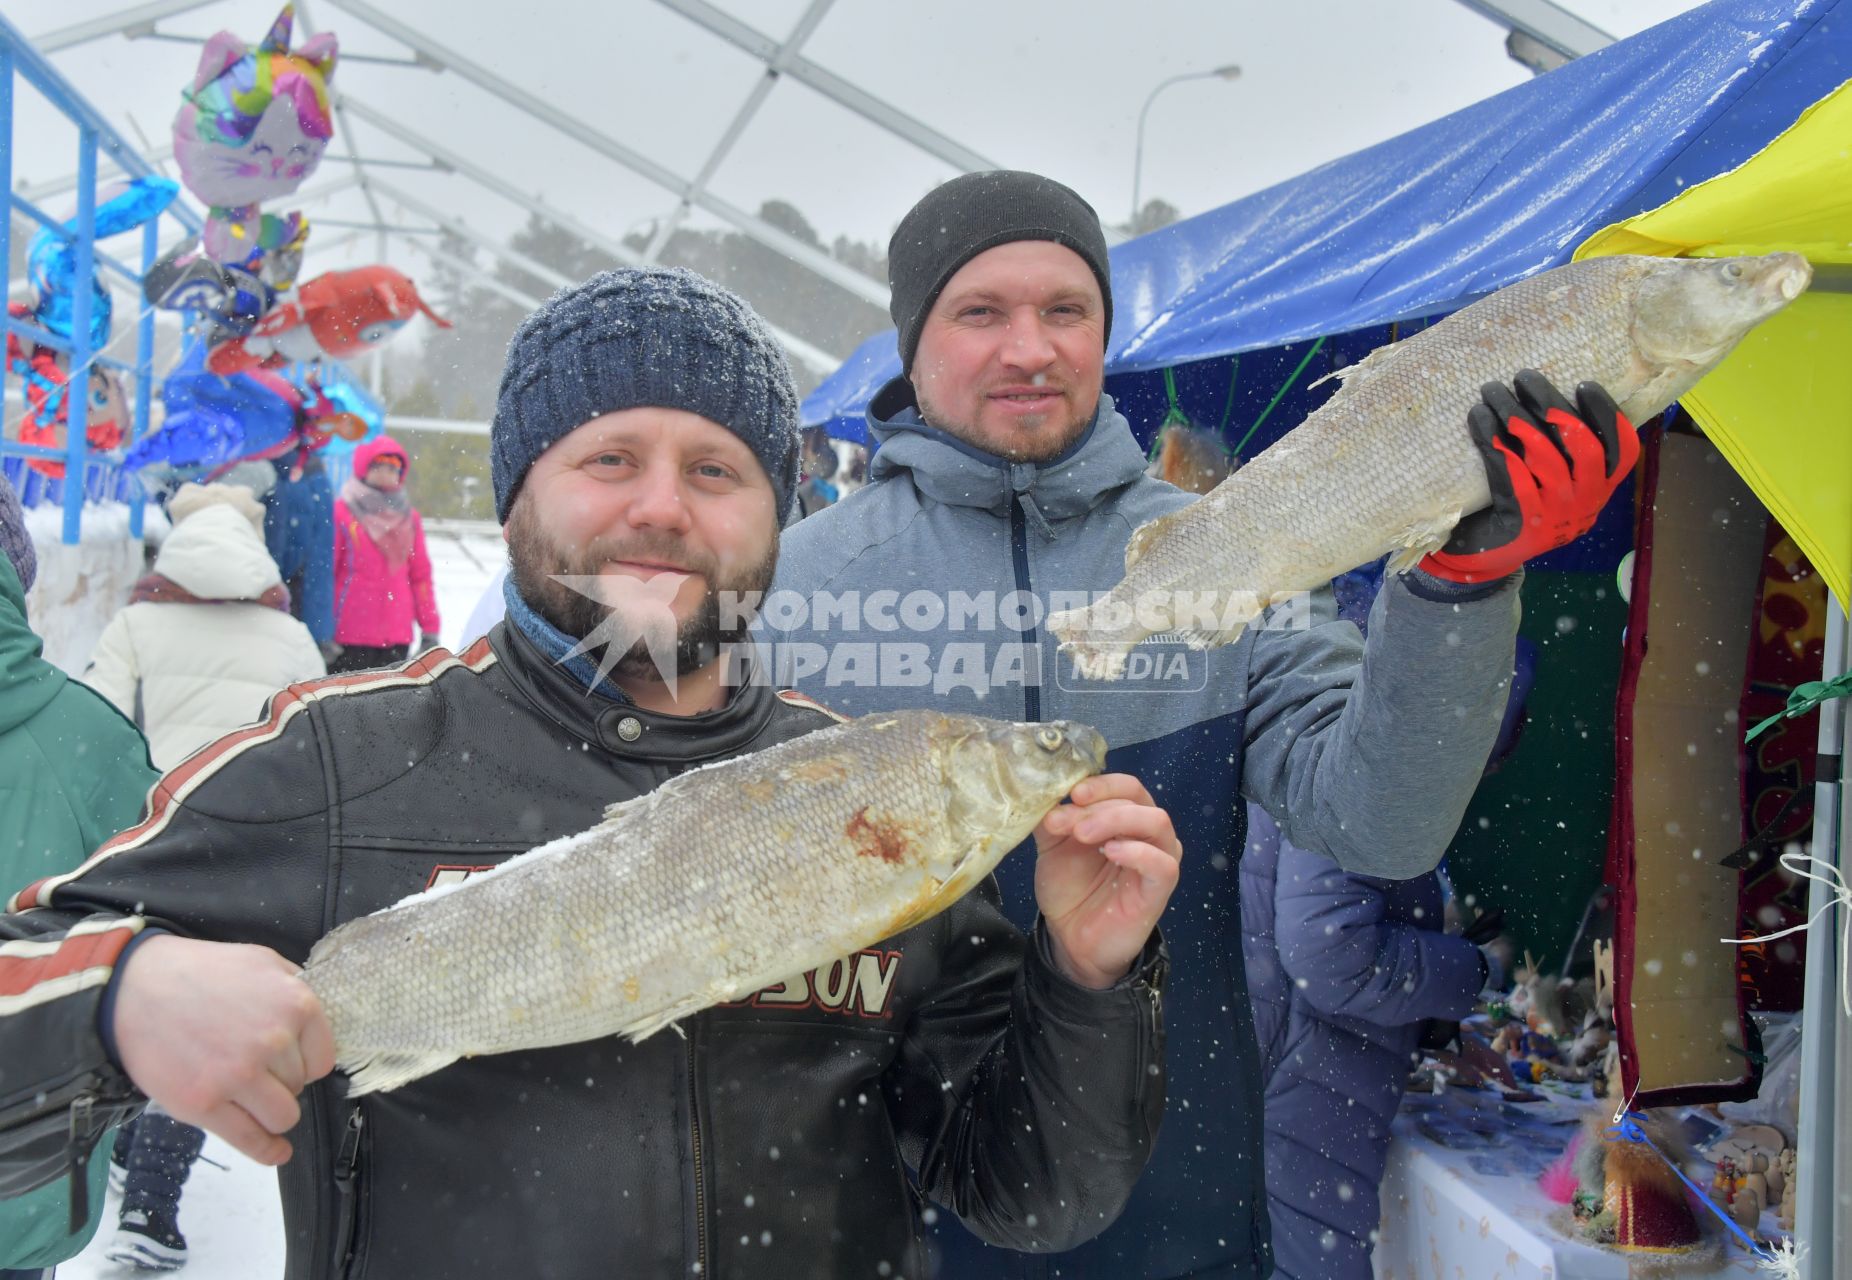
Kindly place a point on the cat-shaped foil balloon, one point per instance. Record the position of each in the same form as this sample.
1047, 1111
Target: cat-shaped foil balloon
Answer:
254, 126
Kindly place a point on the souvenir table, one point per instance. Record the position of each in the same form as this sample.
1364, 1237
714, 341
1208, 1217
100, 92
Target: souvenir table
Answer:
1461, 1202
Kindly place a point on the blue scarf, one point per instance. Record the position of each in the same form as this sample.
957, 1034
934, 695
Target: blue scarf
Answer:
556, 644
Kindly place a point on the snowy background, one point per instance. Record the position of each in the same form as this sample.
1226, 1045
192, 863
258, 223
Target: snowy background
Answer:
80, 588
229, 1215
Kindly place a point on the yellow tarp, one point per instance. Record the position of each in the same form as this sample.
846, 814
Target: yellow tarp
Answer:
1780, 407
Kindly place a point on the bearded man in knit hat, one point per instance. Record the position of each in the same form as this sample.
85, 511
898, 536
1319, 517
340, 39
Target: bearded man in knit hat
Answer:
645, 441
1004, 487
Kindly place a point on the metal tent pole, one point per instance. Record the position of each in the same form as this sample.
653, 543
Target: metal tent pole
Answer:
806, 26
786, 60
817, 260
6, 185
1826, 1056
110, 24
77, 380
144, 368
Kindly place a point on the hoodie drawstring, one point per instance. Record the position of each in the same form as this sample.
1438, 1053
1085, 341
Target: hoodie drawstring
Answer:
1035, 517
1022, 483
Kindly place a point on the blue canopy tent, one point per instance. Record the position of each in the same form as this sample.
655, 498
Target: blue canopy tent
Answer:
1426, 222
837, 403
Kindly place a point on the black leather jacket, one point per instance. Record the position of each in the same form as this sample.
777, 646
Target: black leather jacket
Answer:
774, 1138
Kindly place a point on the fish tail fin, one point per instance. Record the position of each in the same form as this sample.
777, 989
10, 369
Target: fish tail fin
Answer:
1212, 639
672, 1015
383, 1071
1098, 637
1146, 536
1415, 542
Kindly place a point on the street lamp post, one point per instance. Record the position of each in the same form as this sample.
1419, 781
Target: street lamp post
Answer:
1229, 72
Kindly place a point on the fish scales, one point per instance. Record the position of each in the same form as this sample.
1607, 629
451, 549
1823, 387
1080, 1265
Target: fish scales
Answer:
1387, 464
717, 884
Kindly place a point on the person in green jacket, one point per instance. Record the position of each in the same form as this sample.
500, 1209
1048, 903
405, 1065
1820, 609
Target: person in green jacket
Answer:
73, 772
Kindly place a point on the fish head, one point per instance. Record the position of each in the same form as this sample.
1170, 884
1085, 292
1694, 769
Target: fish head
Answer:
998, 781
1691, 311
1002, 778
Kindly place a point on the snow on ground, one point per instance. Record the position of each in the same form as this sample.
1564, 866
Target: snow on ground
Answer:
80, 588
230, 1217
464, 557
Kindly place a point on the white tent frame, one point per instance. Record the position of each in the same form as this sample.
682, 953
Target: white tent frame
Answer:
781, 58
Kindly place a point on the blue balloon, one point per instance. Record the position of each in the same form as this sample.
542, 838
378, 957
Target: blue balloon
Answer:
51, 262
212, 420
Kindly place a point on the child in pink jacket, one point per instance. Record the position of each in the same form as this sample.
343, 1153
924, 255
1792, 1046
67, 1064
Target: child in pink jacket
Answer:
382, 573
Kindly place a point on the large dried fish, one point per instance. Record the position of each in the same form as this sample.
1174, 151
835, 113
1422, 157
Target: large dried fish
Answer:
715, 885
1387, 464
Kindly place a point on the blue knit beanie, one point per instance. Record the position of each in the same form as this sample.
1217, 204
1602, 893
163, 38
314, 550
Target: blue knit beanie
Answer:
659, 337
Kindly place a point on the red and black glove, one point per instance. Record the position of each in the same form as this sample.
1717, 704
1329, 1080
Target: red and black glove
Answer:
1552, 469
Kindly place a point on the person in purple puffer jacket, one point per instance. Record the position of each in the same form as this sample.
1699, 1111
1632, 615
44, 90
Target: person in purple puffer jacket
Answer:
1342, 971
382, 573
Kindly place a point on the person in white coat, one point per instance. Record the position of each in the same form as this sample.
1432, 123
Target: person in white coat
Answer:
207, 636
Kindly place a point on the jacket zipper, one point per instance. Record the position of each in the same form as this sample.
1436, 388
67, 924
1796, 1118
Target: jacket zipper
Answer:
700, 1188
346, 1183
81, 1107
85, 1127
1019, 556
1152, 1025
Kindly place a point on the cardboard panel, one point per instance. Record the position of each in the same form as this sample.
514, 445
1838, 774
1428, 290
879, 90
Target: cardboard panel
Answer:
1679, 804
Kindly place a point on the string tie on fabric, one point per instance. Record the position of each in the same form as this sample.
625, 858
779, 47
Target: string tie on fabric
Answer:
1794, 862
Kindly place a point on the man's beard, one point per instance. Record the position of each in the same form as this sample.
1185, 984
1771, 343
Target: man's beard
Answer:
1035, 450
534, 560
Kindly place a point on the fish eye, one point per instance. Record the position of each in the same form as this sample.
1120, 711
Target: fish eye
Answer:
1048, 737
1734, 270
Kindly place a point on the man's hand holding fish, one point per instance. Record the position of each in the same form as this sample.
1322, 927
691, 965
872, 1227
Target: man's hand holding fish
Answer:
1105, 867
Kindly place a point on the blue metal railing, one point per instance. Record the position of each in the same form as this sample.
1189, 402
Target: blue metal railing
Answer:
86, 474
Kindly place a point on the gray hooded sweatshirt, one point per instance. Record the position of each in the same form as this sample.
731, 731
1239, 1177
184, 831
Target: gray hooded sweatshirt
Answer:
929, 588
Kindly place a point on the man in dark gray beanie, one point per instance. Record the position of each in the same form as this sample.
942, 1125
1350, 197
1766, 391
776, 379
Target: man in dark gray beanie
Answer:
1005, 473
645, 434
962, 218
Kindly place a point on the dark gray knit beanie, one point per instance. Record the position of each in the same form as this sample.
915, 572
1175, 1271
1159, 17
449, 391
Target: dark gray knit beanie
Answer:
15, 542
640, 337
960, 219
